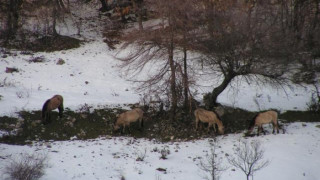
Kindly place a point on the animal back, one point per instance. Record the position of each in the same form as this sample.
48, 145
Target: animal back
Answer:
55, 102
130, 116
266, 117
204, 115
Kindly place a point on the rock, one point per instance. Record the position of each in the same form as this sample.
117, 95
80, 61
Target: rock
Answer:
11, 70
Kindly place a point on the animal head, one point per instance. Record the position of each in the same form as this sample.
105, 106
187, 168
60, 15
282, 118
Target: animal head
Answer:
116, 127
221, 129
117, 124
252, 123
220, 125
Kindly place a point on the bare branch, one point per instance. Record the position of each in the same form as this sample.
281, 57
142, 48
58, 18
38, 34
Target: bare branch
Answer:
249, 158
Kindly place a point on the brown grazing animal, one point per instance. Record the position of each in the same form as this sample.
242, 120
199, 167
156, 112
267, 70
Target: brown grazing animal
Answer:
128, 117
208, 117
264, 118
55, 102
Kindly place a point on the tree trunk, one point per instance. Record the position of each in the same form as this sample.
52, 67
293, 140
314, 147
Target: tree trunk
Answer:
137, 10
174, 98
104, 5
13, 18
185, 80
218, 90
54, 19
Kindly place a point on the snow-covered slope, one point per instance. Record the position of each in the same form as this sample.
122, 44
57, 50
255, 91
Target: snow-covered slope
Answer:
90, 75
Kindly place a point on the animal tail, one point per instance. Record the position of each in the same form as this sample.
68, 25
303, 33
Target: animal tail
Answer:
45, 108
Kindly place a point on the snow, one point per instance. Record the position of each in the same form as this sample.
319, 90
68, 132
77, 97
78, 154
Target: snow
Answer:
36, 82
293, 155
91, 76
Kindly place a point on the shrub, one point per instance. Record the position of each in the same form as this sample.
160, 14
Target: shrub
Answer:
249, 158
164, 153
141, 155
314, 103
212, 164
26, 167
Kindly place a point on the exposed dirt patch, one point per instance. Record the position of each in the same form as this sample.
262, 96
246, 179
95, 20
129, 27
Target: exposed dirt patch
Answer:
44, 44
299, 116
86, 125
55, 43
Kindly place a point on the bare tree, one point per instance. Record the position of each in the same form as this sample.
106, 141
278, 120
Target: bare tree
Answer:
159, 44
248, 158
138, 6
243, 39
212, 164
11, 10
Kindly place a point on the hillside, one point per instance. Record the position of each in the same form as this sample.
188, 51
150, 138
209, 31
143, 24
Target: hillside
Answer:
95, 89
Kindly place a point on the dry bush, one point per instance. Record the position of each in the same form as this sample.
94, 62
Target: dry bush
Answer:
141, 155
212, 164
248, 158
164, 153
26, 167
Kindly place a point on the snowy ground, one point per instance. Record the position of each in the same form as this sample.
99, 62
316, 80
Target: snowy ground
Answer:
90, 75
293, 155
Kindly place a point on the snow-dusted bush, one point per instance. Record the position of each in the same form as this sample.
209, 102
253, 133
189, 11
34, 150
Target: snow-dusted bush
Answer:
26, 167
314, 103
141, 155
164, 153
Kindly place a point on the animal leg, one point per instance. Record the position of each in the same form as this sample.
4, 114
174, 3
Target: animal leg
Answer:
142, 122
273, 127
49, 117
60, 111
129, 129
142, 125
45, 118
123, 128
201, 125
258, 130
197, 123
277, 126
214, 127
209, 127
264, 132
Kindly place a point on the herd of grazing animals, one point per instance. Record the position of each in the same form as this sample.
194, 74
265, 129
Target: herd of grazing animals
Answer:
201, 115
